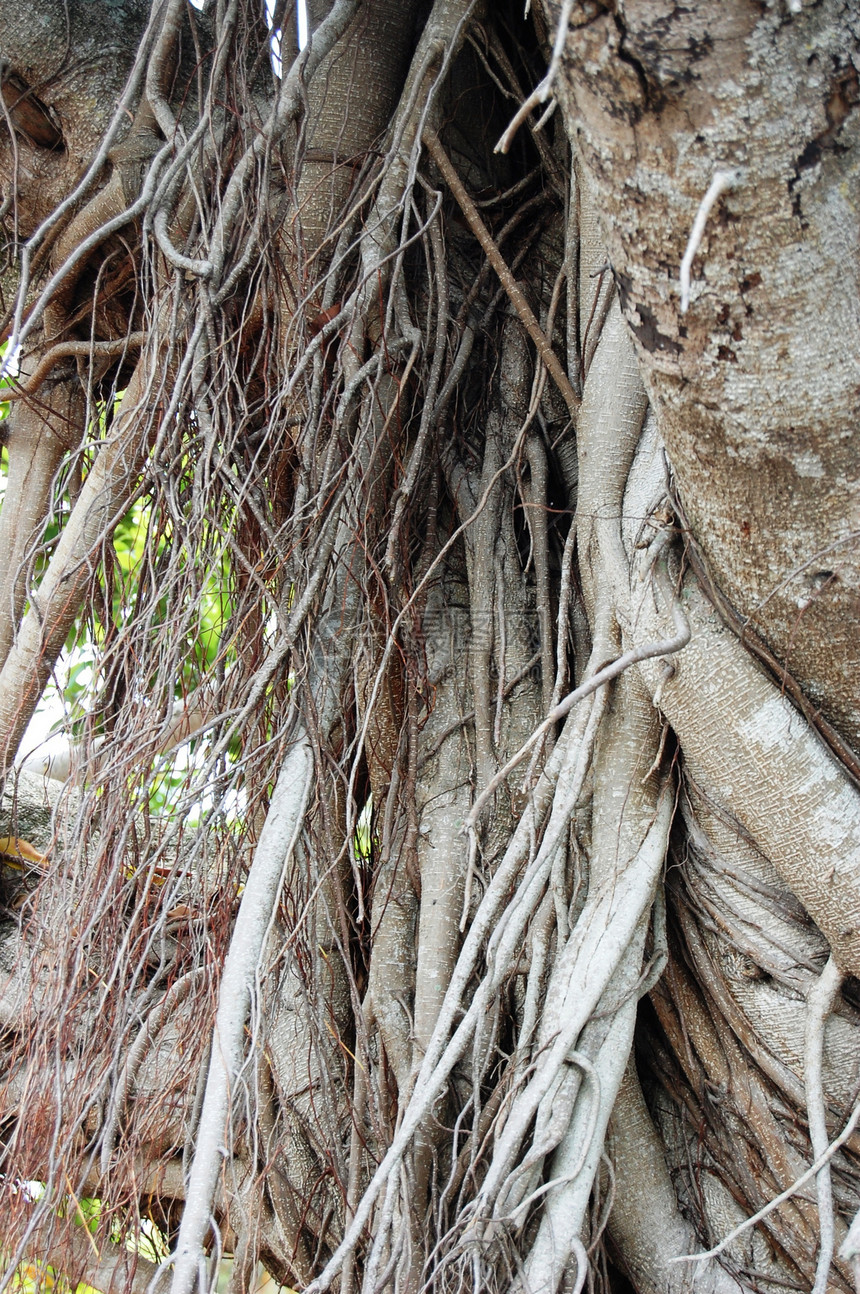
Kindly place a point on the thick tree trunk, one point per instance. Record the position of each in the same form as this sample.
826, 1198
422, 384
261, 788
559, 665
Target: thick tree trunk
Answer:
755, 387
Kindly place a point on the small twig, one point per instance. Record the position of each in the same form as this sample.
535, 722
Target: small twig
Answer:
722, 181
494, 256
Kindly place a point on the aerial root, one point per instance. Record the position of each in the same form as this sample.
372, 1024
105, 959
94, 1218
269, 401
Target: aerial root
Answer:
256, 913
796, 1186
581, 975
505, 919
646, 1224
820, 1002
610, 931
155, 1021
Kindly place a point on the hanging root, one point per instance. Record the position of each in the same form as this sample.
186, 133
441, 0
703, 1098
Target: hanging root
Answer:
819, 1004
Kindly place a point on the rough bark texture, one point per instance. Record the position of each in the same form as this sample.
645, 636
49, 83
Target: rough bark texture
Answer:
756, 392
64, 68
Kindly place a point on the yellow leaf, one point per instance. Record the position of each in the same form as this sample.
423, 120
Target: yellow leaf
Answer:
13, 847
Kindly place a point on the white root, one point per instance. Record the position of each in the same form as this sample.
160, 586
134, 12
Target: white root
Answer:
722, 181
746, 745
277, 840
819, 1004
443, 803
645, 651
154, 1022
542, 91
555, 1116
595, 949
505, 939
850, 1247
571, 755
646, 1224
630, 833
601, 961
576, 1161
749, 750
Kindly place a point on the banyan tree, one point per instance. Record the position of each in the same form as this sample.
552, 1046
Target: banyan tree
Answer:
431, 512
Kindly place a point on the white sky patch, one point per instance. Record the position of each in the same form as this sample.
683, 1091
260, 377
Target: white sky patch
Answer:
47, 740
48, 750
10, 363
302, 21
275, 41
